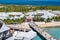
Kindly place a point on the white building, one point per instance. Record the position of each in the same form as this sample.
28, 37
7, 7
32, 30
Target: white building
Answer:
56, 12
11, 15
31, 13
48, 15
4, 15
42, 11
16, 15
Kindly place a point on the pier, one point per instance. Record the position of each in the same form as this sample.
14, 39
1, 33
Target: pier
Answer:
41, 31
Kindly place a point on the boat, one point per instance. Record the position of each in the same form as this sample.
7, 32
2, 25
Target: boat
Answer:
23, 32
5, 32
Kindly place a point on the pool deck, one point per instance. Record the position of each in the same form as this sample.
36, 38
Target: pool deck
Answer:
41, 31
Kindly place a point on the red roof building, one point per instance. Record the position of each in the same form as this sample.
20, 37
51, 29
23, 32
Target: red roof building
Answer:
29, 19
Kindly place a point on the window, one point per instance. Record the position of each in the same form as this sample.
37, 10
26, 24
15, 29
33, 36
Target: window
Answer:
1, 35
27, 30
7, 33
18, 15
28, 20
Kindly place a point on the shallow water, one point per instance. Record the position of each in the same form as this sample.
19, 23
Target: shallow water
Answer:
37, 38
54, 32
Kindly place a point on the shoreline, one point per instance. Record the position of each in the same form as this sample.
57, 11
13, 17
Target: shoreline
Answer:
27, 4
49, 25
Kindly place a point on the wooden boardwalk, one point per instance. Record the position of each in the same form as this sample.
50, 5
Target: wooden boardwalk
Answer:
41, 31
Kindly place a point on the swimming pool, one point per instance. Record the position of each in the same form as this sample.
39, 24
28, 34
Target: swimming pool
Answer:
55, 32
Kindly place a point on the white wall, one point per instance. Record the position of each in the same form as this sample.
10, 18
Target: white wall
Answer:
3, 15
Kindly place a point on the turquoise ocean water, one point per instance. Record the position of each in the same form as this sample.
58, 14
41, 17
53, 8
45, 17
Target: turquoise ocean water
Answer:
37, 38
55, 32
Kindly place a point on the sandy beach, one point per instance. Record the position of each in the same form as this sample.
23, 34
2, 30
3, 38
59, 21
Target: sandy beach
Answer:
49, 24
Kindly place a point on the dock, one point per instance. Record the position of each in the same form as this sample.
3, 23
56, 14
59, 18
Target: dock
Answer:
41, 31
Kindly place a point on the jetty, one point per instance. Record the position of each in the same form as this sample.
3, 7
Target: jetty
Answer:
41, 31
